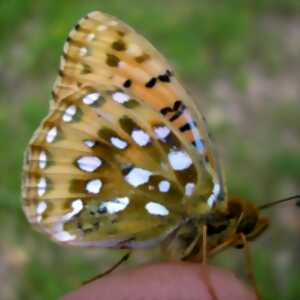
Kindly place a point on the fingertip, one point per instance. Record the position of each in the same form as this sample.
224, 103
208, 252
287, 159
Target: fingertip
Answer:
186, 281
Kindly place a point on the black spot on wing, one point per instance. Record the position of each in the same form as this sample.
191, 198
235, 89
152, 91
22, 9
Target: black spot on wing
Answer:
119, 45
107, 133
127, 83
177, 105
169, 73
166, 110
179, 108
151, 83
131, 104
177, 115
86, 69
127, 124
126, 169
112, 60
164, 77
187, 126
142, 58
121, 33
61, 73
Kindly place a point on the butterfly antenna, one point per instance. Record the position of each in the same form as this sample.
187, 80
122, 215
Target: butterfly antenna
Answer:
267, 205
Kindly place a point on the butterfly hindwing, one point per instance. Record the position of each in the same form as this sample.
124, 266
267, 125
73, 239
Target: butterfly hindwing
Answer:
104, 169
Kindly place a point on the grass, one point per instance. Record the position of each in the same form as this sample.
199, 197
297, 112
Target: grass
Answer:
208, 42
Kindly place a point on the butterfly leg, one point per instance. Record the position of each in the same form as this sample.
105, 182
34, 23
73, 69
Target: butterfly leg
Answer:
111, 269
206, 277
249, 269
224, 245
204, 244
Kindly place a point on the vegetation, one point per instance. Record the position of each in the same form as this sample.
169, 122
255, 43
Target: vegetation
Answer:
241, 61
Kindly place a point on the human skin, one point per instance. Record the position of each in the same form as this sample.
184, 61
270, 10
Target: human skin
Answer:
167, 281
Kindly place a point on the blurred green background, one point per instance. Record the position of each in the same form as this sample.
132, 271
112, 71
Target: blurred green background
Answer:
241, 61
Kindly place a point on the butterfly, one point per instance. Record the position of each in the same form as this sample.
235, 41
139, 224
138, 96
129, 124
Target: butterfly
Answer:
124, 159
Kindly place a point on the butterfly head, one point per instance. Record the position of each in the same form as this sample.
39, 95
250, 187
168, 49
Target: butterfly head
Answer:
224, 228
246, 219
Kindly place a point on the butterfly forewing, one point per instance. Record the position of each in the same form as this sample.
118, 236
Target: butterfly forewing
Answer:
103, 50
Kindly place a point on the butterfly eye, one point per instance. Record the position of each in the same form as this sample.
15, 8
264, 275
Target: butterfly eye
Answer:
247, 224
234, 208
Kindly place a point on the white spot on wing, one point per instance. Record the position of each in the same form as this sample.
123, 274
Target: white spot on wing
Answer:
122, 64
91, 98
58, 231
60, 234
138, 176
101, 28
214, 196
134, 50
156, 209
113, 23
66, 47
118, 143
179, 160
51, 135
89, 143
64, 236
120, 97
42, 160
189, 189
211, 200
151, 188
41, 207
77, 206
164, 186
83, 51
199, 144
69, 113
89, 163
114, 206
91, 36
140, 137
216, 189
42, 185
94, 186
162, 132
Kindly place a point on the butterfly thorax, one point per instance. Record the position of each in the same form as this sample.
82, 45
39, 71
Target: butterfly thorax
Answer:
224, 227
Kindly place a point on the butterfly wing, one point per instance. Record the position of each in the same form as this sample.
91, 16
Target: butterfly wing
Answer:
123, 158
104, 169
103, 50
